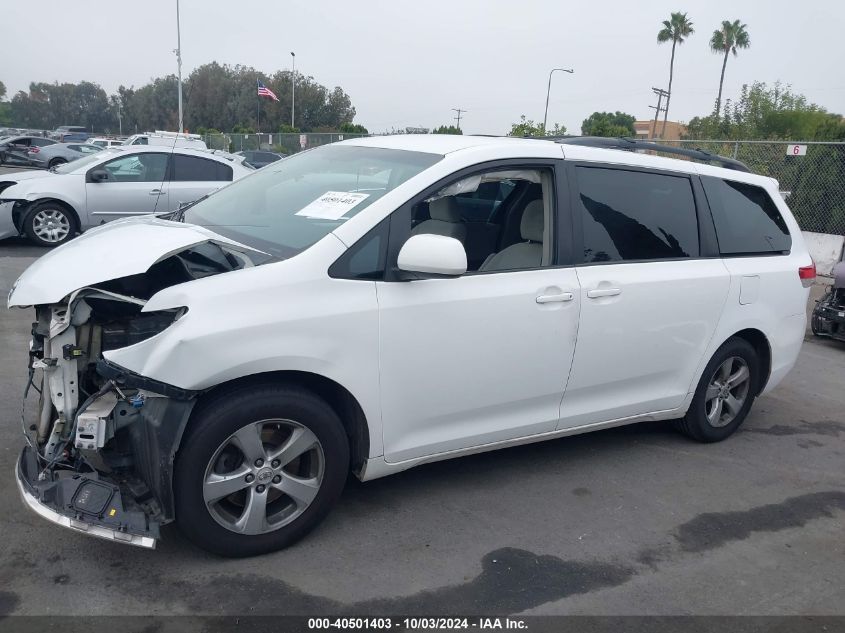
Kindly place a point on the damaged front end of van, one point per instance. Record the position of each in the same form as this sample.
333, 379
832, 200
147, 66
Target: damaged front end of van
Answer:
101, 442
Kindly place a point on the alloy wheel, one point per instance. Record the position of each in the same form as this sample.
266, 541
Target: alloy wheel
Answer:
263, 476
727, 391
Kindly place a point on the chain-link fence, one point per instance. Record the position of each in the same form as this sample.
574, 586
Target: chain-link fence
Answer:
281, 143
811, 176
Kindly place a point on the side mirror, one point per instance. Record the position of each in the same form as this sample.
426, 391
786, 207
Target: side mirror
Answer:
426, 255
98, 175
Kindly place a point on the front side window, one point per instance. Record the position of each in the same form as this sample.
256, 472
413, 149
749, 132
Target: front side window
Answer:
517, 238
747, 220
137, 168
294, 203
633, 215
194, 169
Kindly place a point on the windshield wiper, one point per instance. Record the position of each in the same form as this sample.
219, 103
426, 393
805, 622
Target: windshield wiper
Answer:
178, 214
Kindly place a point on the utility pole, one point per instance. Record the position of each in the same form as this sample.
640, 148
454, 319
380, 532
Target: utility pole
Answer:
548, 91
178, 52
658, 108
292, 86
458, 117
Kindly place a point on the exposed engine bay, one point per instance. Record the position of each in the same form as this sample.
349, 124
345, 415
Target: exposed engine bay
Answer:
101, 447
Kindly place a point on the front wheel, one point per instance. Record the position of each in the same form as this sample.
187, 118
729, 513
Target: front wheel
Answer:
258, 469
49, 224
724, 394
56, 162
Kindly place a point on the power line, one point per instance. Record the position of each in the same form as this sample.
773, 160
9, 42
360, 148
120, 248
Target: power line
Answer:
458, 117
658, 108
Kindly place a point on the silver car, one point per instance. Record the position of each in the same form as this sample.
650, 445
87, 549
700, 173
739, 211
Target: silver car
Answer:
59, 154
50, 207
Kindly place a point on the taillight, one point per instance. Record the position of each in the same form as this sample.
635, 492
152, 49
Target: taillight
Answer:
807, 275
34, 150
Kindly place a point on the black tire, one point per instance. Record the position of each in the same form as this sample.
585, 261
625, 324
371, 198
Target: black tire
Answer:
56, 162
695, 423
59, 211
815, 320
214, 422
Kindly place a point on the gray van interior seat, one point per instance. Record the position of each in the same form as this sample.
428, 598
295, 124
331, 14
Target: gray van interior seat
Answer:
445, 220
525, 254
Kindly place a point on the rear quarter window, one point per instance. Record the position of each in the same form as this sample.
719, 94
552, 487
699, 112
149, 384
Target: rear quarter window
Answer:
747, 220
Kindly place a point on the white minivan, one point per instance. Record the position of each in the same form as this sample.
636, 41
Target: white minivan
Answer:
385, 302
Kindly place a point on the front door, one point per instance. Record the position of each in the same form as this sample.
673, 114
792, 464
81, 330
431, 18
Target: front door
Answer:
483, 357
136, 185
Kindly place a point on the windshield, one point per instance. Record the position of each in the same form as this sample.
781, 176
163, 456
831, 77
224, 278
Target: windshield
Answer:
293, 203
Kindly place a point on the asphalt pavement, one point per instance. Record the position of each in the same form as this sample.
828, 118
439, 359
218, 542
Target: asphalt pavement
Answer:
636, 520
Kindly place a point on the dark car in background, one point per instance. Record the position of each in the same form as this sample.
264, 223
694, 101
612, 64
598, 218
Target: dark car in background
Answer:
259, 159
15, 149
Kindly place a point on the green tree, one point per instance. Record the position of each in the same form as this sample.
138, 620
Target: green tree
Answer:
732, 36
764, 112
608, 124
527, 127
352, 128
447, 129
674, 30
5, 107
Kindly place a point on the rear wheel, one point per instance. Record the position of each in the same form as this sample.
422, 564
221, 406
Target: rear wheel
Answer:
56, 162
49, 224
259, 468
724, 394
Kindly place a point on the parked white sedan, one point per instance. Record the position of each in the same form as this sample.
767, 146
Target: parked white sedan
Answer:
51, 207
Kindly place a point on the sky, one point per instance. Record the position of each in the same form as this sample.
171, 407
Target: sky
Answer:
409, 63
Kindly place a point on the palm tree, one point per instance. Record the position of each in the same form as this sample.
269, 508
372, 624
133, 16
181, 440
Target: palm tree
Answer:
730, 37
676, 28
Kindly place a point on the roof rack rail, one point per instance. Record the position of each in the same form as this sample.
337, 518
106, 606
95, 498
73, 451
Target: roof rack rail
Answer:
630, 144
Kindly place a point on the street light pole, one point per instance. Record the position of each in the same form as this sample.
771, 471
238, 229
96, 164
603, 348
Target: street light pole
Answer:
292, 86
549, 89
178, 52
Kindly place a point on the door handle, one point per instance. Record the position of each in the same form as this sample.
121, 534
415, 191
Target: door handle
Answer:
604, 292
559, 298
157, 192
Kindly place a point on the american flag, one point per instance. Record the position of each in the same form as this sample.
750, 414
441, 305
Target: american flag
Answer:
264, 91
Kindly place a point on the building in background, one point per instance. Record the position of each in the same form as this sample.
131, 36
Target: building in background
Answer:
674, 130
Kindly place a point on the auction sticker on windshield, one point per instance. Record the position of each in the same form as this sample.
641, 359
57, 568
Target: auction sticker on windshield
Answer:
332, 205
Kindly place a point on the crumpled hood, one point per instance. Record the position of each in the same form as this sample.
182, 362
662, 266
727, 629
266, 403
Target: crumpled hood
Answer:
32, 174
111, 251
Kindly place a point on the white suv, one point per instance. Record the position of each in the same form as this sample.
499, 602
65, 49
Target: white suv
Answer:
50, 207
386, 302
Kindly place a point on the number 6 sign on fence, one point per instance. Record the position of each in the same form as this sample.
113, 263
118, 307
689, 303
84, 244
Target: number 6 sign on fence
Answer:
796, 150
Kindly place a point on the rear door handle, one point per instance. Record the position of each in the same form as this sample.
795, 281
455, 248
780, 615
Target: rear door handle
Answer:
604, 292
558, 298
157, 192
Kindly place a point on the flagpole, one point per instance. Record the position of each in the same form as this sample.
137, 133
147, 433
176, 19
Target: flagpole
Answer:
258, 119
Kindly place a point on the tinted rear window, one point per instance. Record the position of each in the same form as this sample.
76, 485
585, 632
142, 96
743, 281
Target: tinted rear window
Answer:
746, 218
634, 215
192, 169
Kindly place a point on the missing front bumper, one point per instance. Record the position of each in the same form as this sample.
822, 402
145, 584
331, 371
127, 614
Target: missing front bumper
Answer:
83, 502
